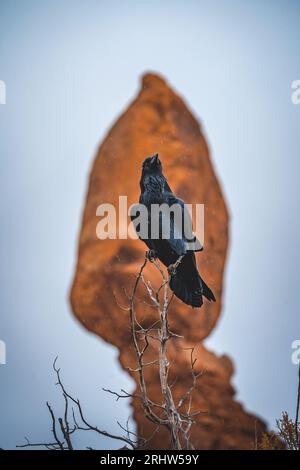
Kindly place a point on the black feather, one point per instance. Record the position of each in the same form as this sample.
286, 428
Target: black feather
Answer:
186, 283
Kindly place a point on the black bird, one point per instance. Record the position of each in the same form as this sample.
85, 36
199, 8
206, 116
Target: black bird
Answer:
185, 280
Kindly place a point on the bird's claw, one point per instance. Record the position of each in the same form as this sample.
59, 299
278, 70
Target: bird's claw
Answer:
151, 255
171, 269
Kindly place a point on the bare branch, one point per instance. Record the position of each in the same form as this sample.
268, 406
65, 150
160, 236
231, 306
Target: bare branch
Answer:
176, 418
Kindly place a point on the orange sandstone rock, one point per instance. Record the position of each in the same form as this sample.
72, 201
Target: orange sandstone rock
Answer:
158, 120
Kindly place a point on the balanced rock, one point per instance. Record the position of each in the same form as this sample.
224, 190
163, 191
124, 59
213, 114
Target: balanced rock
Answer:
158, 120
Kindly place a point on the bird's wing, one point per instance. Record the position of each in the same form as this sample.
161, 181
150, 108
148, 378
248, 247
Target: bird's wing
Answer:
157, 228
184, 230
173, 227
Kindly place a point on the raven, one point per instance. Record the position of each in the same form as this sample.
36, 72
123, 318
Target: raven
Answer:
173, 251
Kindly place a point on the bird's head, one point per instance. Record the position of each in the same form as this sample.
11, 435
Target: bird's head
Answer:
152, 166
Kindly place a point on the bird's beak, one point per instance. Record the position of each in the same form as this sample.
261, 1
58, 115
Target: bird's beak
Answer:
154, 160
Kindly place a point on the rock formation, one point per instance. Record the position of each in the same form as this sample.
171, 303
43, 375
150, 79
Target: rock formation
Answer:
159, 121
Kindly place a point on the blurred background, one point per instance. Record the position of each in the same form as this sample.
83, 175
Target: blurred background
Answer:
70, 68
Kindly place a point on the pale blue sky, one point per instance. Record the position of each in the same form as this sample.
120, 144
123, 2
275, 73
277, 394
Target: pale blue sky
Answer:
70, 68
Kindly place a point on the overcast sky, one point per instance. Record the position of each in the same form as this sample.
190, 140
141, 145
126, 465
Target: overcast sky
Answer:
70, 68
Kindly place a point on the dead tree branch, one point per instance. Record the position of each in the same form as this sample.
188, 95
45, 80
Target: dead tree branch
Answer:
177, 418
62, 430
168, 414
297, 412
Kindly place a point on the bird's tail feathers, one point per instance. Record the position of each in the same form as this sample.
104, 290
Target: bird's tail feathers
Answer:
207, 292
187, 284
189, 295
